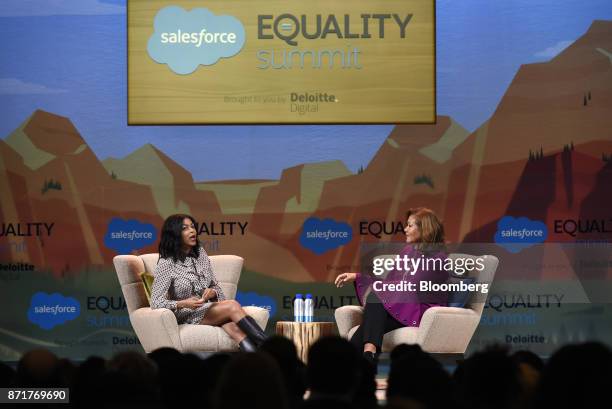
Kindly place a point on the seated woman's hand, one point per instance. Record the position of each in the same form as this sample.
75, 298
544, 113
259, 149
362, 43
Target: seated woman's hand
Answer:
191, 302
345, 278
208, 294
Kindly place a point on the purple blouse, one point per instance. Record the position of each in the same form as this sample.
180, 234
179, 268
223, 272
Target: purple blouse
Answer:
407, 307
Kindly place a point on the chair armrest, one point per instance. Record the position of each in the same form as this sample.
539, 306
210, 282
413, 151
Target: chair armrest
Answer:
447, 329
260, 315
156, 328
347, 317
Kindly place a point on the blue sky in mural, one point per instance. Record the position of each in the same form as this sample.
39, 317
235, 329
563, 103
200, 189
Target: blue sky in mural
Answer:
75, 66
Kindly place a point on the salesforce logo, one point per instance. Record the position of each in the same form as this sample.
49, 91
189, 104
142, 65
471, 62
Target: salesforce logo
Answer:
252, 298
320, 236
125, 236
186, 39
515, 234
50, 310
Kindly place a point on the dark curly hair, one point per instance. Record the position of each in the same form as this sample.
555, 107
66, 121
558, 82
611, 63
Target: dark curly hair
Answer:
171, 242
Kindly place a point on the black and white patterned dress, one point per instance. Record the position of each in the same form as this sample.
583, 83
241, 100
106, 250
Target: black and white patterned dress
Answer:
181, 280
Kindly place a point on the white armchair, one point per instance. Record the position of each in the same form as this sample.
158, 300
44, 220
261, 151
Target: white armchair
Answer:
446, 330
157, 328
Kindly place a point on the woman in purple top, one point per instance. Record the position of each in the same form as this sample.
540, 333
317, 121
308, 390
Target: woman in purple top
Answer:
385, 309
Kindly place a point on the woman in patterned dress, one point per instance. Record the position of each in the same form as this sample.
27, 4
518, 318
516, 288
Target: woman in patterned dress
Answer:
186, 284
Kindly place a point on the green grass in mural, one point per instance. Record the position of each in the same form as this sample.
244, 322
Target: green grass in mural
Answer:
50, 184
424, 180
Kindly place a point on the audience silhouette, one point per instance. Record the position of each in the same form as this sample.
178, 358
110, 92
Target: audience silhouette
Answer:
336, 376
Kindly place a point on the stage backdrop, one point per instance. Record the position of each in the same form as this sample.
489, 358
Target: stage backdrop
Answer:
522, 142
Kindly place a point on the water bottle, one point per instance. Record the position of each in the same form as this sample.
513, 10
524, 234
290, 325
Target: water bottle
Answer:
308, 309
298, 308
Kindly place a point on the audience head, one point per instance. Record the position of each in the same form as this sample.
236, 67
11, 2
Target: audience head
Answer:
165, 356
251, 380
209, 379
132, 377
416, 376
333, 367
403, 350
283, 351
214, 365
66, 372
89, 376
37, 368
576, 376
488, 379
178, 372
530, 369
528, 358
364, 396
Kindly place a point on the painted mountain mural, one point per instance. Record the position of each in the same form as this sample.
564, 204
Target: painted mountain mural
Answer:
544, 154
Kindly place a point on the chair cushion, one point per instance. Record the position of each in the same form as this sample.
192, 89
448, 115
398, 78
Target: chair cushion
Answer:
147, 282
404, 335
205, 338
459, 298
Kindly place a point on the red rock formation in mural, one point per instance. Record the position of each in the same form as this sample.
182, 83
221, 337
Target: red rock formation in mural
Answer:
541, 155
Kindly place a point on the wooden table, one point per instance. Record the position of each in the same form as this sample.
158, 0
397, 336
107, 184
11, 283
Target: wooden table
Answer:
304, 334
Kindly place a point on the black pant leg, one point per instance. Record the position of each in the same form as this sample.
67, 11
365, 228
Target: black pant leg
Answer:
376, 322
357, 338
391, 323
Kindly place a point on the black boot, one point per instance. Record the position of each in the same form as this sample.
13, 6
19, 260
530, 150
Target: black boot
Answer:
249, 326
260, 337
246, 345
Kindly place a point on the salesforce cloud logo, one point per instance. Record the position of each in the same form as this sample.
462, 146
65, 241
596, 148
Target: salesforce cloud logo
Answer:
252, 298
50, 310
320, 236
515, 234
185, 39
125, 236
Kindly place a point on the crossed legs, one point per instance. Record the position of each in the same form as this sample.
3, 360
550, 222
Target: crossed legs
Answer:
226, 314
